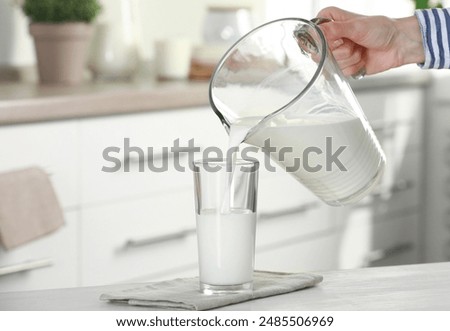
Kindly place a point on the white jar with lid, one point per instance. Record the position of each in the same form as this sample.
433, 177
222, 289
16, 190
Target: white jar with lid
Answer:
222, 26
225, 24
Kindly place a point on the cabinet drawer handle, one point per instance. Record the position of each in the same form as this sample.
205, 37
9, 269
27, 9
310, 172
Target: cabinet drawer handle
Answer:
381, 194
25, 266
133, 243
388, 126
400, 186
159, 156
288, 211
380, 126
383, 254
384, 130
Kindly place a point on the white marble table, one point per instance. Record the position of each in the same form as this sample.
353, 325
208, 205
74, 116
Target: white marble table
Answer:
409, 287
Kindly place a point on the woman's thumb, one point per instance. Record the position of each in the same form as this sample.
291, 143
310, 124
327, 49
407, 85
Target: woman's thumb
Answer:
338, 30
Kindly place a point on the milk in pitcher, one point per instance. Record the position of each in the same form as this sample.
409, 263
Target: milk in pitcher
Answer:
335, 185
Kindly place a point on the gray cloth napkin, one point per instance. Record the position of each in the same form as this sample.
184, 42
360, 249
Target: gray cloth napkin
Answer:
184, 294
29, 207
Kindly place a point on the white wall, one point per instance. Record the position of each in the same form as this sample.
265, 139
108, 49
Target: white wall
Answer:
160, 19
183, 18
308, 8
157, 19
180, 18
391, 8
289, 8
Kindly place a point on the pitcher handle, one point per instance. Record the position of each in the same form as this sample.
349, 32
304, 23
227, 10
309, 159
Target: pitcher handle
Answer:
319, 20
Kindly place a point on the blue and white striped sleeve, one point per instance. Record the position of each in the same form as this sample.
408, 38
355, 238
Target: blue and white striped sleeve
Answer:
435, 28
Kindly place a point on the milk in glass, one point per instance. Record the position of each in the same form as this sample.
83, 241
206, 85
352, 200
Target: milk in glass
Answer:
226, 246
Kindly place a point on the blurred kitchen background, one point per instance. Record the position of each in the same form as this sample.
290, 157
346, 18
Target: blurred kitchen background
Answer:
147, 80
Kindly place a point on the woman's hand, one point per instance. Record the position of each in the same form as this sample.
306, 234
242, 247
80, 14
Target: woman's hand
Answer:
373, 43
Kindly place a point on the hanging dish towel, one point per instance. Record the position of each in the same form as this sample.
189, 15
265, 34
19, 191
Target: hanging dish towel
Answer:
184, 294
29, 207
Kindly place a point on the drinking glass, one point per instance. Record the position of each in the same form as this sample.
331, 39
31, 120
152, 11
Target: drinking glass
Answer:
226, 194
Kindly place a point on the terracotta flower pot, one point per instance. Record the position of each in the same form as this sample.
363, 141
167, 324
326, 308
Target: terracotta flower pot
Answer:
61, 51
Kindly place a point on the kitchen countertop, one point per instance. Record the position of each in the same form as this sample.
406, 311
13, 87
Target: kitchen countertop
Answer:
408, 287
31, 102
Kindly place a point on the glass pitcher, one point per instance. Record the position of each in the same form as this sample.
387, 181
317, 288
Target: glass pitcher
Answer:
280, 89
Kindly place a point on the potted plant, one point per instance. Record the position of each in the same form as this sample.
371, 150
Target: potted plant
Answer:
61, 30
423, 4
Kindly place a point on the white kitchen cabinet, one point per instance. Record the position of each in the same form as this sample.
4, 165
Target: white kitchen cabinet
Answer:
143, 237
51, 146
360, 240
296, 239
437, 227
50, 261
395, 113
366, 241
401, 191
155, 130
386, 227
298, 221
47, 262
300, 254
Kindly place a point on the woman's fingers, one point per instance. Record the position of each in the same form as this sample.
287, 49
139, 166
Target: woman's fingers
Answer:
348, 54
354, 69
335, 44
335, 31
